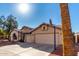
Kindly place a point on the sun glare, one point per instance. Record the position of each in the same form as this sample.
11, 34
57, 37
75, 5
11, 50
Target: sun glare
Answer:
24, 8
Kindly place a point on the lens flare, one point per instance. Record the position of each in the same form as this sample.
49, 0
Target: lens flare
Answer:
24, 8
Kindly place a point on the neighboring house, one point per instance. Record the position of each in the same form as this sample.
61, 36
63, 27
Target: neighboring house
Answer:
76, 37
43, 34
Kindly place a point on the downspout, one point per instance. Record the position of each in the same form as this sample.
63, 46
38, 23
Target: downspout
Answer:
54, 38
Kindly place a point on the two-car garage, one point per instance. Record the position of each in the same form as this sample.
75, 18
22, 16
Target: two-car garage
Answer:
48, 39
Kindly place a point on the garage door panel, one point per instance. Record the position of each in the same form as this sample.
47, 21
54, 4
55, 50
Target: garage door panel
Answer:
44, 38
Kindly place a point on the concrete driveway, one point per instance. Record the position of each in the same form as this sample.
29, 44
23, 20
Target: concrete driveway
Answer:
26, 49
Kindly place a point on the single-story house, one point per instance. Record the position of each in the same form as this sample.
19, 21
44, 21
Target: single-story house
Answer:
43, 34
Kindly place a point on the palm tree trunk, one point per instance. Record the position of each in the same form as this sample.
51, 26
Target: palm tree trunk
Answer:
68, 43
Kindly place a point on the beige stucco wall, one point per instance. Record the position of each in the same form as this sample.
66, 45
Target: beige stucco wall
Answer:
59, 40
19, 36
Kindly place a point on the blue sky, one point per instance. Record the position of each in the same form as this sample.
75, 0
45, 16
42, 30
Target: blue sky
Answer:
40, 13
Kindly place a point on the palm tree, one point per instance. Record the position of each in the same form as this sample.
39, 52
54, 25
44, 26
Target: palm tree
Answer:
68, 43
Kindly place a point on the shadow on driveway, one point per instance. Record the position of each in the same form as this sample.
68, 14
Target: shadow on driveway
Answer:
42, 47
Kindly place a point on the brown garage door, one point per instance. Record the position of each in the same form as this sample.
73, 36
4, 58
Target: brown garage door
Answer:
44, 38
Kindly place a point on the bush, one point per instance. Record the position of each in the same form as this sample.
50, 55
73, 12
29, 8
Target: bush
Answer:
1, 33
